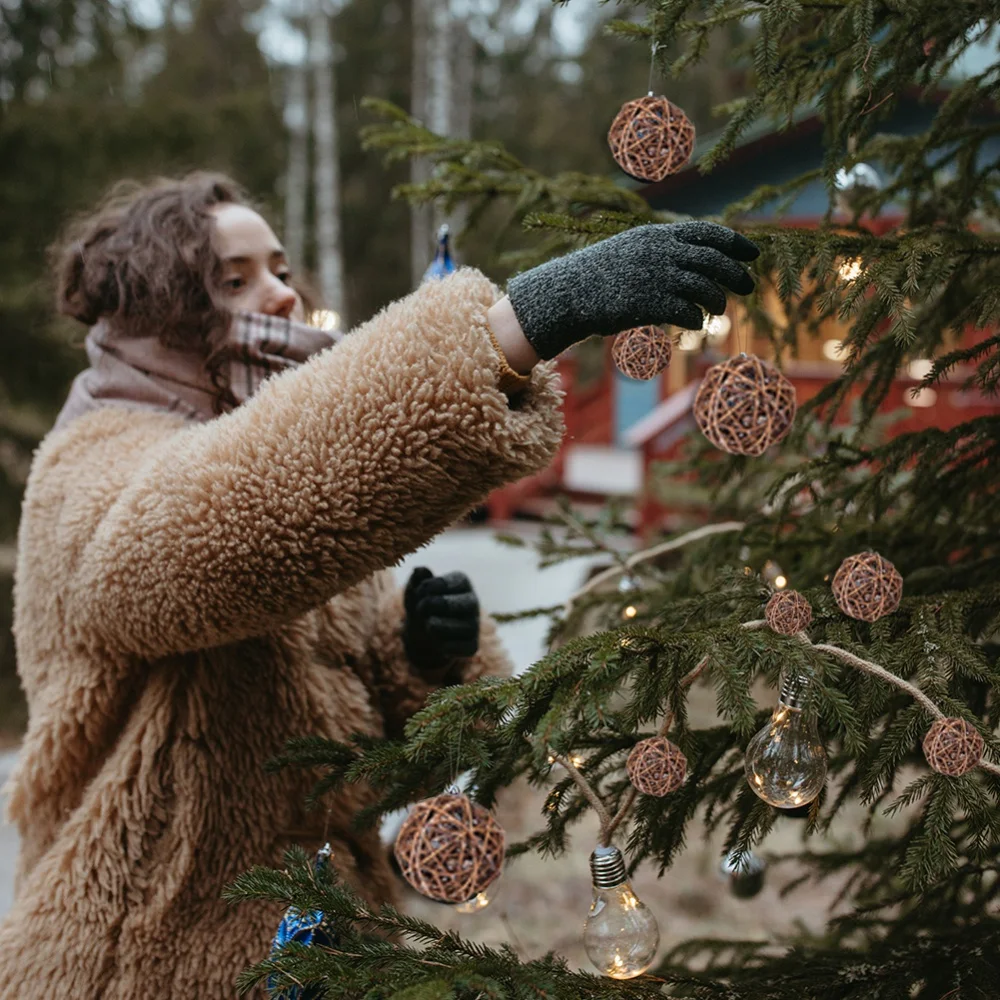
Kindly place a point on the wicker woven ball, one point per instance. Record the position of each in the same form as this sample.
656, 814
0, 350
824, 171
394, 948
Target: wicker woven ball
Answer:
788, 612
642, 353
656, 766
953, 746
867, 587
449, 848
744, 405
651, 138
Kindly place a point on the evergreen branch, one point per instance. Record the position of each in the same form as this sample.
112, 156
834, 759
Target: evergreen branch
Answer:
890, 678
652, 553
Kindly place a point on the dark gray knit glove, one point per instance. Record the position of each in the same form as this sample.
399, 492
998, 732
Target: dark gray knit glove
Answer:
651, 274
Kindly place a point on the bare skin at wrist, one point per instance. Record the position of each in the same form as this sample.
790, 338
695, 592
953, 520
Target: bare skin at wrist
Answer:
517, 349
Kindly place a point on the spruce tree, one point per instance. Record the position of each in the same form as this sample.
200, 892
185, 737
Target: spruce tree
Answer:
922, 920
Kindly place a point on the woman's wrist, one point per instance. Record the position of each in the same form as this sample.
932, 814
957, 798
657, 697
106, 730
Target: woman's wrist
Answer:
510, 338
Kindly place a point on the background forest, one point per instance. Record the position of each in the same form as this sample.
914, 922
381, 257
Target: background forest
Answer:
93, 91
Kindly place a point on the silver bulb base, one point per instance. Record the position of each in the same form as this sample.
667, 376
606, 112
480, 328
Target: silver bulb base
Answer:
793, 691
607, 868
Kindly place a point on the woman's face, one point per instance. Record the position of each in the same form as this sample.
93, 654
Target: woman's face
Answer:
255, 272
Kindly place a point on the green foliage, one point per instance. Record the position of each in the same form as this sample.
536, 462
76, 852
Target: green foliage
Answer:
918, 897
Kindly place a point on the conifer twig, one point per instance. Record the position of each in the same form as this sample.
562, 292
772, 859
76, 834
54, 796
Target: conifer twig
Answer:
877, 671
609, 824
890, 678
657, 550
608, 829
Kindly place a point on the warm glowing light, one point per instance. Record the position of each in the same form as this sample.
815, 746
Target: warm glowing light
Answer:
690, 340
780, 582
575, 759
630, 612
849, 270
717, 327
923, 398
920, 368
325, 319
478, 902
833, 350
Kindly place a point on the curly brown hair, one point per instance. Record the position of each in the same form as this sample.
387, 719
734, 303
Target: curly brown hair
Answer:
144, 261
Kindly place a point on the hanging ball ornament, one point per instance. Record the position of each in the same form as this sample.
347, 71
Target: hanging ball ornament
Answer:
642, 353
953, 747
656, 766
744, 405
450, 849
745, 876
788, 612
867, 587
651, 138
855, 184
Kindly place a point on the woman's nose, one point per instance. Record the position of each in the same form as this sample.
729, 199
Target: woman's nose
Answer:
280, 300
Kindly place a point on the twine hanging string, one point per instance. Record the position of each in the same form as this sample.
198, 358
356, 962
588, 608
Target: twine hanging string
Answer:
652, 64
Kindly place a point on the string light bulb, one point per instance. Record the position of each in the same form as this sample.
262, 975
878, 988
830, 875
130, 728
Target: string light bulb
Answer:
626, 585
621, 935
849, 270
774, 575
478, 902
785, 762
716, 328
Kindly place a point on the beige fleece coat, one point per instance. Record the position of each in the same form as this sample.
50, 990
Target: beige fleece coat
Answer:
190, 596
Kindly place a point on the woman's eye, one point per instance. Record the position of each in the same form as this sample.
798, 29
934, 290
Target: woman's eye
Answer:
233, 284
285, 276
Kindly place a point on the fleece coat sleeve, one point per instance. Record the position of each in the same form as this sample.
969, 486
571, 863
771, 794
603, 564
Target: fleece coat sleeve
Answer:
332, 471
399, 688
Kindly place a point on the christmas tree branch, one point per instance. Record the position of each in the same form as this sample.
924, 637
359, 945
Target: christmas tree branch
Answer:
610, 824
657, 550
890, 678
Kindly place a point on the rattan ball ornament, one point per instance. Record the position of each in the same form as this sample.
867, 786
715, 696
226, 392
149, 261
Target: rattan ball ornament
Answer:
867, 587
788, 612
449, 848
650, 138
642, 353
744, 405
953, 746
656, 766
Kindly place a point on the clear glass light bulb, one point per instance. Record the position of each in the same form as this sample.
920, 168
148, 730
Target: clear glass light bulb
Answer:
786, 762
621, 935
478, 902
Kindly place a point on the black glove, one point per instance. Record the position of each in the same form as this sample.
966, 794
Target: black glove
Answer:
647, 275
442, 620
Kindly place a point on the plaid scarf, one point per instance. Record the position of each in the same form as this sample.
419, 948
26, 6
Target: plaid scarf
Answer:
141, 373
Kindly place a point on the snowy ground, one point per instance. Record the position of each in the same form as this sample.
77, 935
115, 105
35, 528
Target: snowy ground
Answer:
506, 579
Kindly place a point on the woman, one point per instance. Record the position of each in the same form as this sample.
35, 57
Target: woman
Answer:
204, 553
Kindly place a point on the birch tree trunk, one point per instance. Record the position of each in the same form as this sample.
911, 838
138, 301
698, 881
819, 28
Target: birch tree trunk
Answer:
329, 254
462, 48
421, 220
297, 170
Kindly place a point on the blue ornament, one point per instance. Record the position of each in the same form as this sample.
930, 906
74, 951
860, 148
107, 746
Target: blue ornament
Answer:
442, 265
304, 928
